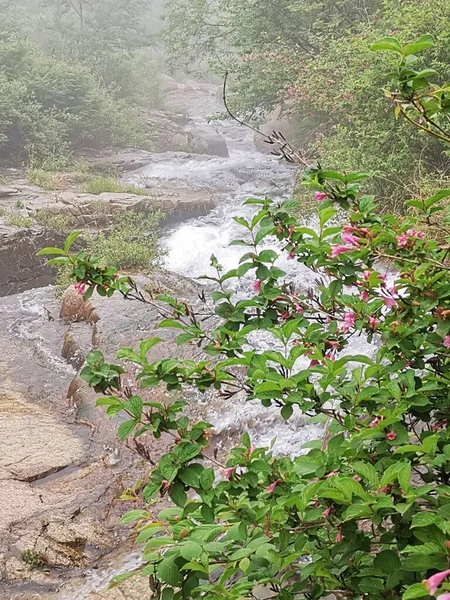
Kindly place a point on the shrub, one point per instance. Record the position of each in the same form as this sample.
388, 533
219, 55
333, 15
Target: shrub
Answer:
101, 183
13, 219
44, 179
49, 220
49, 106
131, 243
365, 512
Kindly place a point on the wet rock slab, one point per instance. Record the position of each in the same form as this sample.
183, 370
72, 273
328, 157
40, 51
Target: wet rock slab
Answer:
61, 465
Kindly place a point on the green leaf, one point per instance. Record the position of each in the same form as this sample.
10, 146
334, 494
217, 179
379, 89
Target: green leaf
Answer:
326, 215
60, 260
167, 467
134, 515
125, 429
168, 572
242, 222
148, 532
207, 479
190, 550
178, 494
387, 44
50, 250
423, 519
134, 406
357, 511
287, 411
146, 345
424, 42
387, 560
367, 471
70, 240
437, 197
417, 590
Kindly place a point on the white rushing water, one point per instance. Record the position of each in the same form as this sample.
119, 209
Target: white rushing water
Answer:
246, 173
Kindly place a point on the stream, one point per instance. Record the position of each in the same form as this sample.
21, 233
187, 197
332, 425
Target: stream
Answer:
246, 173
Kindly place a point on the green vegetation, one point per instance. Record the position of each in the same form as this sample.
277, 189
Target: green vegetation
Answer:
362, 512
48, 220
130, 243
100, 183
33, 559
73, 75
313, 58
13, 219
46, 180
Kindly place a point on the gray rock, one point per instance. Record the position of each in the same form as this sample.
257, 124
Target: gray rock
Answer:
205, 140
7, 191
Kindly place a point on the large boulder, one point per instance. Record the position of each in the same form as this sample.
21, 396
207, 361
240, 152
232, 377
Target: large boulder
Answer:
205, 140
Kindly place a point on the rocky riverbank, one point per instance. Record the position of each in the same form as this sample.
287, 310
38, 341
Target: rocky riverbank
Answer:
62, 470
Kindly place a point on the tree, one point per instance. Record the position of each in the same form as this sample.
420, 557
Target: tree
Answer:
365, 512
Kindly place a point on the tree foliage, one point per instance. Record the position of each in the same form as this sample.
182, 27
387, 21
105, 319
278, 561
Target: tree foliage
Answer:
313, 59
73, 75
364, 513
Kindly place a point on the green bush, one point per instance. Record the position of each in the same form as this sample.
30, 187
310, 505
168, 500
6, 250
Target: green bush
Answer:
131, 243
49, 106
101, 183
362, 513
13, 219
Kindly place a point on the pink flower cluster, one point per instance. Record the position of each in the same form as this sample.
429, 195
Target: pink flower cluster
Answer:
81, 287
349, 322
404, 238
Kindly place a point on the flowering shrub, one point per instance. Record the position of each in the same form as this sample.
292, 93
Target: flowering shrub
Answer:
365, 512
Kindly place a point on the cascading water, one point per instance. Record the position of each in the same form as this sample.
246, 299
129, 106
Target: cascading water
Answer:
247, 173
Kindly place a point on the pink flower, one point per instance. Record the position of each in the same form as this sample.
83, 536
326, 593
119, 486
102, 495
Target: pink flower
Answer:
291, 255
367, 274
227, 473
339, 536
433, 582
337, 249
356, 477
257, 285
332, 344
349, 238
402, 240
271, 488
446, 342
314, 363
349, 321
298, 308
375, 422
389, 302
331, 354
320, 196
391, 436
417, 234
374, 322
444, 596
81, 288
364, 295
326, 513
393, 289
